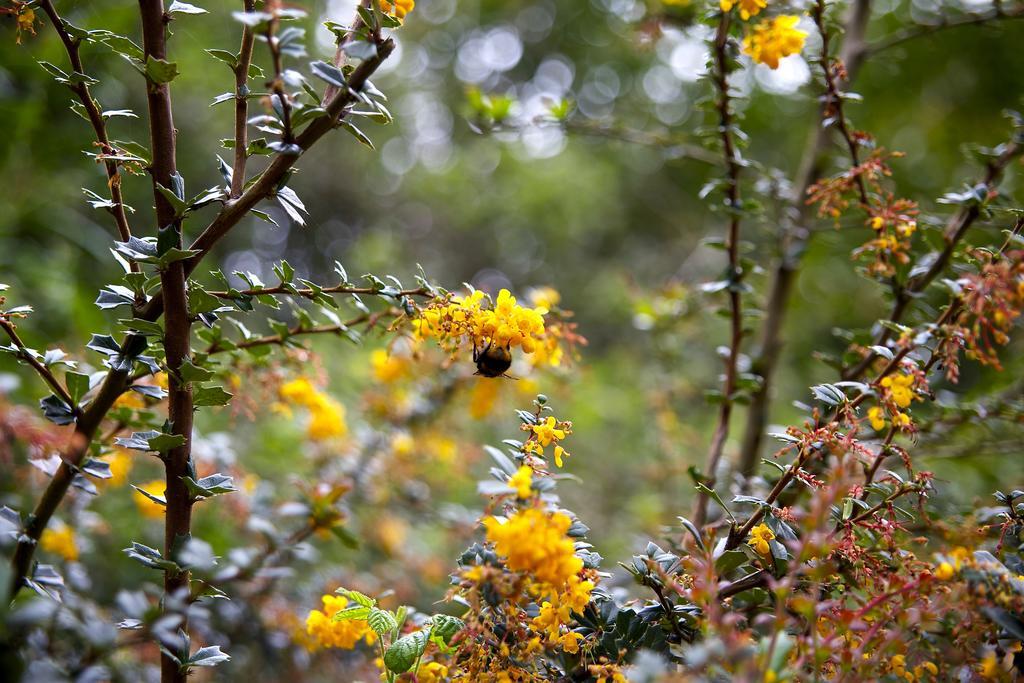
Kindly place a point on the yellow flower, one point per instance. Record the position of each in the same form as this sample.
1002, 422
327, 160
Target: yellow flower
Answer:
388, 368
506, 324
547, 432
760, 536
60, 541
483, 398
906, 228
26, 19
120, 462
151, 508
535, 541
327, 416
432, 672
570, 642
748, 8
989, 668
559, 454
877, 418
900, 388
398, 8
343, 634
521, 480
772, 39
901, 420
402, 443
391, 533
944, 572
545, 297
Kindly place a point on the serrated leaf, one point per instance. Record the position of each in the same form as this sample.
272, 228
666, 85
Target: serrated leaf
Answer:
404, 652
381, 621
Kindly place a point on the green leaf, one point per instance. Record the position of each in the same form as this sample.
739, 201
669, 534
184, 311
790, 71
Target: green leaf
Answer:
210, 486
381, 621
160, 71
150, 557
185, 8
444, 628
329, 73
357, 597
226, 56
355, 612
210, 396
78, 385
190, 372
404, 652
161, 443
360, 49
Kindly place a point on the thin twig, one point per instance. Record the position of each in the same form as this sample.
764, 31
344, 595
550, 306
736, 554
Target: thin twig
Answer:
735, 274
117, 381
242, 104
41, 370
955, 230
923, 30
95, 116
793, 240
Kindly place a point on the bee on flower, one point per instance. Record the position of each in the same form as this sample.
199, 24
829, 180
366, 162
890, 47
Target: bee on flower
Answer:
492, 331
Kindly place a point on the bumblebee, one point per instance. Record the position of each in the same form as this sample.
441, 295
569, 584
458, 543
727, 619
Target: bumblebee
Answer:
492, 360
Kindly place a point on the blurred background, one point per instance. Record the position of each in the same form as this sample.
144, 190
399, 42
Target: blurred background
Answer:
605, 209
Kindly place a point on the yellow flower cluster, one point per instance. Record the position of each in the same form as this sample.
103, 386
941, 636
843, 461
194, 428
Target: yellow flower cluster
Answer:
556, 613
545, 433
388, 368
398, 8
506, 325
772, 39
120, 463
952, 563
748, 8
521, 481
900, 388
327, 416
432, 672
898, 666
60, 541
345, 634
760, 538
150, 508
535, 541
876, 416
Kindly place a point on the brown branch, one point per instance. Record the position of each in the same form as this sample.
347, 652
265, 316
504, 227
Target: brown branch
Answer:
81, 90
117, 381
242, 105
955, 230
793, 241
923, 30
41, 370
281, 339
311, 294
277, 84
833, 100
735, 274
177, 330
736, 536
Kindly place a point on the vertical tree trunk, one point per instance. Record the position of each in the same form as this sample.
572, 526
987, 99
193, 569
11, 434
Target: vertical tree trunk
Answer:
177, 328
